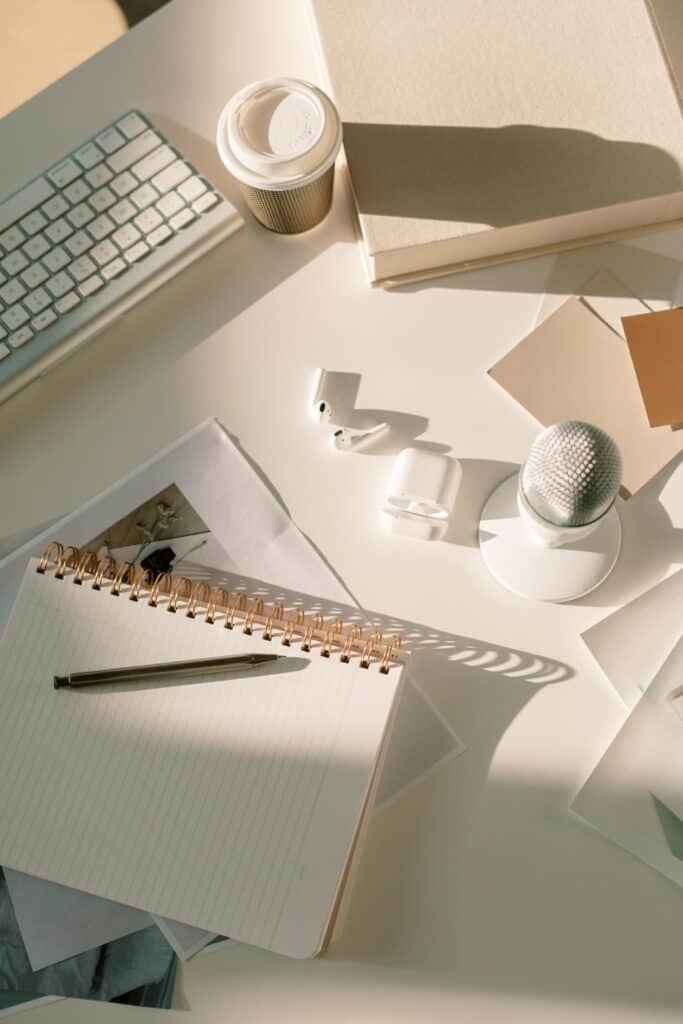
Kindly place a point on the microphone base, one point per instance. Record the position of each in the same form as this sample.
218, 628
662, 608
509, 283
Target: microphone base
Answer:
537, 573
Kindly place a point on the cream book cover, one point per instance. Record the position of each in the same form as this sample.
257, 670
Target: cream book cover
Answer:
479, 132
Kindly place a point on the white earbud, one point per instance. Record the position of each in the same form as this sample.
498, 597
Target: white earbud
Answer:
348, 440
322, 412
320, 408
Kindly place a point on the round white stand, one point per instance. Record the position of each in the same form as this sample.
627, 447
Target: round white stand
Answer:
539, 573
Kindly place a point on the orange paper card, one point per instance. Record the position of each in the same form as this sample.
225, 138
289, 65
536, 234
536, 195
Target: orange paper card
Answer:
655, 341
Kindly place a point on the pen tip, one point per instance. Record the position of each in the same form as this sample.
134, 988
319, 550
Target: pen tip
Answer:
59, 682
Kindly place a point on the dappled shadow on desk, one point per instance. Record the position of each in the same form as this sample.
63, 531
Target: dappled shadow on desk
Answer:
498, 176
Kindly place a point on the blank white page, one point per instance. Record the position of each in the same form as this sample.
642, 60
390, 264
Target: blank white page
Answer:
227, 804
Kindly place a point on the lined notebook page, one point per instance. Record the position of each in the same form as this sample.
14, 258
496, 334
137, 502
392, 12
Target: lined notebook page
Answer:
230, 805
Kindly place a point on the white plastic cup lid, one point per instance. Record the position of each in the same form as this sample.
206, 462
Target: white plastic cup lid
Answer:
279, 134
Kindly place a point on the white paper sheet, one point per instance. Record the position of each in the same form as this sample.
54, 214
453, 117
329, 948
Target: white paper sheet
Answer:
632, 643
635, 795
258, 539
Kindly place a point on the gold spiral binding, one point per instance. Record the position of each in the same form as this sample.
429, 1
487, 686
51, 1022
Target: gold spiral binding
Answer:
124, 572
86, 559
315, 623
213, 603
293, 626
182, 587
105, 567
164, 580
238, 604
68, 559
141, 578
44, 562
256, 609
196, 595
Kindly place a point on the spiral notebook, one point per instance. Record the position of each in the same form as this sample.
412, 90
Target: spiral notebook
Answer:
260, 782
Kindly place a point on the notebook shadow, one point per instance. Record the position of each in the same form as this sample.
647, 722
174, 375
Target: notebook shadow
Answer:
498, 176
450, 649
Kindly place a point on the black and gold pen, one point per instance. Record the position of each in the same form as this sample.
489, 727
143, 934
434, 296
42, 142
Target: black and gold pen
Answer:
167, 670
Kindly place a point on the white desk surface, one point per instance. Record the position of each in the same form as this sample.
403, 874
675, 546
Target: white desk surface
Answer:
478, 898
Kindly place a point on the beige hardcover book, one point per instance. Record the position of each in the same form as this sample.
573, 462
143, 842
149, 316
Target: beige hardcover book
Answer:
481, 132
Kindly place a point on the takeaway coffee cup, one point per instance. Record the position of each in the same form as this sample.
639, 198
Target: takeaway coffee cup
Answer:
279, 139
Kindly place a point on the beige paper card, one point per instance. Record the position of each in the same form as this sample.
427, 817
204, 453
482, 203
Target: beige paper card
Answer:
574, 367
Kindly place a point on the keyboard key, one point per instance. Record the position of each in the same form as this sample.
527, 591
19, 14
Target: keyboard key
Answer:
155, 162
88, 155
205, 202
148, 220
126, 236
136, 252
4, 350
102, 200
12, 292
36, 247
14, 317
37, 301
67, 302
114, 268
111, 140
131, 125
43, 320
104, 252
160, 235
80, 215
171, 177
123, 211
101, 227
91, 285
20, 337
134, 151
34, 275
82, 268
14, 263
3, 332
63, 174
170, 204
59, 230
192, 188
181, 219
33, 223
56, 259
12, 238
144, 196
21, 203
99, 176
55, 207
124, 184
79, 243
59, 284
77, 191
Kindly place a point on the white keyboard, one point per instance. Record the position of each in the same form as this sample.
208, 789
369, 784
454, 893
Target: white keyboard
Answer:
94, 234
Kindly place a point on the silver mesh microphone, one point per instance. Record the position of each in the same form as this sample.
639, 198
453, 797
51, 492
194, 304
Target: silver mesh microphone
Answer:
572, 475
